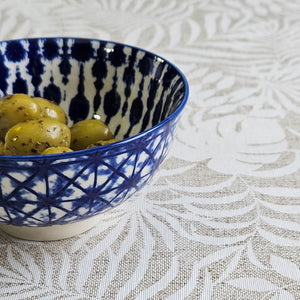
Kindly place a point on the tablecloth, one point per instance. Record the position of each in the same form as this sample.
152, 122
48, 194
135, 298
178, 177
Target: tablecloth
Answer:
221, 218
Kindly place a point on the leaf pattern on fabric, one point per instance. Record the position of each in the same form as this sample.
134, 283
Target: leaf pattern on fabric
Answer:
220, 220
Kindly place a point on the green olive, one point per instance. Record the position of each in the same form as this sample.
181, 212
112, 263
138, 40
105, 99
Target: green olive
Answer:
17, 108
34, 136
102, 143
53, 150
50, 109
87, 132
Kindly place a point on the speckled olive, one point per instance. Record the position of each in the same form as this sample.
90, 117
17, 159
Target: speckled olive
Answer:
34, 136
17, 108
50, 109
54, 150
87, 132
102, 143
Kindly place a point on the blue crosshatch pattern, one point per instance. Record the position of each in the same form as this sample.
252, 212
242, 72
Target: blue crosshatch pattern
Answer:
137, 93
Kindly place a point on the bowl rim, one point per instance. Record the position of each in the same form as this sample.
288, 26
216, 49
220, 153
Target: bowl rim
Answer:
116, 144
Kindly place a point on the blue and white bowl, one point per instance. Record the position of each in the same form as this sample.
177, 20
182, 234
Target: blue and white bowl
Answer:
138, 94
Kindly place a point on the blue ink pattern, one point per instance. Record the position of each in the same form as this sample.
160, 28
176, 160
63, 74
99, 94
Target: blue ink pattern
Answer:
137, 93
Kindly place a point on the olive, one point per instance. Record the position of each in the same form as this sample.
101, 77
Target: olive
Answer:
102, 143
50, 109
34, 136
53, 150
17, 108
5, 98
87, 132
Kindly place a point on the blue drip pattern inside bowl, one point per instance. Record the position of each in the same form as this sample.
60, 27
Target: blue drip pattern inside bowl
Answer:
138, 94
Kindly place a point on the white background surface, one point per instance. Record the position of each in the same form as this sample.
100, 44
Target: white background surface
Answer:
221, 219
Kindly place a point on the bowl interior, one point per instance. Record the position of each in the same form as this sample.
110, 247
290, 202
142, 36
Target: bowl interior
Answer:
130, 89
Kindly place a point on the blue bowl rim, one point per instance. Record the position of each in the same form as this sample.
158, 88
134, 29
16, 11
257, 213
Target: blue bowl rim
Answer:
118, 143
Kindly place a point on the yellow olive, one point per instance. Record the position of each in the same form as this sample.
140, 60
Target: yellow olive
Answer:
53, 150
17, 108
101, 143
34, 136
50, 109
87, 132
5, 98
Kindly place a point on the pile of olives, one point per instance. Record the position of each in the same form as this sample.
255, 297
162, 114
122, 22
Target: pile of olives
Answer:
34, 125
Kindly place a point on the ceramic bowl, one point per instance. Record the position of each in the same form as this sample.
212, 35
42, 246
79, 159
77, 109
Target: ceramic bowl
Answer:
139, 95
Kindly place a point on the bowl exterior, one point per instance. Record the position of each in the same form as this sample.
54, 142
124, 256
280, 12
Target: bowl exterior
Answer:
58, 191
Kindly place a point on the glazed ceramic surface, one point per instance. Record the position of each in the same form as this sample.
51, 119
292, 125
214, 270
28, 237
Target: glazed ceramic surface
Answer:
138, 94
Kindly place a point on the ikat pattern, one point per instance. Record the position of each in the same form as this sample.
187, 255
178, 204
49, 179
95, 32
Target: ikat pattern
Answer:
38, 192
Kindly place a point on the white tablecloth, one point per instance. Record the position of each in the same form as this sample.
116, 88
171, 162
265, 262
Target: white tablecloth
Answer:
221, 219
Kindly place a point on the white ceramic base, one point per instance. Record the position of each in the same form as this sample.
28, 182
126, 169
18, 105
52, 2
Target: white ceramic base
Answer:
50, 233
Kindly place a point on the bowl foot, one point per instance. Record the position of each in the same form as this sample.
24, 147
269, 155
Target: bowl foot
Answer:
50, 233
